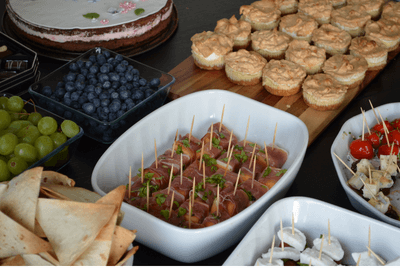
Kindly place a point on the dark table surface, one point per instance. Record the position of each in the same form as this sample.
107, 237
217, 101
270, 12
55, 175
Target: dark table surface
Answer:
317, 177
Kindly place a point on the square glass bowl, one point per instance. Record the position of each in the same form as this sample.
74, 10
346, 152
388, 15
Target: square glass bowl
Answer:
191, 245
60, 156
311, 217
340, 147
104, 131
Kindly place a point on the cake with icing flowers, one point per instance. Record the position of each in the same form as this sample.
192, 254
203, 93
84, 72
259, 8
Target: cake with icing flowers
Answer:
79, 25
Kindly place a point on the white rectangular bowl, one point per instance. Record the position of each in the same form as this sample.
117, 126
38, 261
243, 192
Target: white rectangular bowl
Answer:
340, 146
311, 217
181, 244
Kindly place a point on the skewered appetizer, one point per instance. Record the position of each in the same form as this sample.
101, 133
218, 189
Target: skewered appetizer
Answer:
200, 182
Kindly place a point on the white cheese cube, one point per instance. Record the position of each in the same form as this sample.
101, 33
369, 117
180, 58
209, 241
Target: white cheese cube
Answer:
371, 188
380, 202
389, 164
363, 165
357, 180
333, 250
298, 240
385, 180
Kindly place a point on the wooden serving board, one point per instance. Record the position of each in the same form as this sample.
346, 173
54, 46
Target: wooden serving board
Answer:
190, 78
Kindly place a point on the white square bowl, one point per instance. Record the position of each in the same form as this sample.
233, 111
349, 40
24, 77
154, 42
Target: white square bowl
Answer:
181, 244
311, 217
340, 147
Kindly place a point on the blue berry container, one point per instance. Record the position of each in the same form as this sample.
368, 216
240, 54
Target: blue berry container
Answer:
60, 156
103, 92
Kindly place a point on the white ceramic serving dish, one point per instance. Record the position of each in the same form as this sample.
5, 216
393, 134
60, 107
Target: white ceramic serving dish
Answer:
311, 217
340, 146
181, 244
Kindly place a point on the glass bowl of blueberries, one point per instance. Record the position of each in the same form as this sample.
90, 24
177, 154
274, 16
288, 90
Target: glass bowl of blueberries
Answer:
103, 91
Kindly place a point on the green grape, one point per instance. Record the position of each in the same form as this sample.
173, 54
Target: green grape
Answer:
44, 146
15, 104
3, 102
5, 119
58, 139
47, 125
28, 134
4, 172
26, 152
16, 165
8, 143
16, 126
69, 128
34, 118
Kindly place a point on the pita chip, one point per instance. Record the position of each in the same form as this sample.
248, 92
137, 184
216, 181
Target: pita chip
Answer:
52, 177
35, 260
20, 199
129, 254
16, 239
38, 230
70, 226
49, 257
63, 192
13, 261
122, 239
98, 252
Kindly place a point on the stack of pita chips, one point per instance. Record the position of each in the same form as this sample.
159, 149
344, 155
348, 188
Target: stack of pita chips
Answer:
72, 227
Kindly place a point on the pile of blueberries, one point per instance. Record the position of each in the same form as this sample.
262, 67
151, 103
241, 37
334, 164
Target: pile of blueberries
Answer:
103, 87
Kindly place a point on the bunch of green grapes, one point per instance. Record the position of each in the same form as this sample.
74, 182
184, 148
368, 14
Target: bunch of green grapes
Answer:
26, 137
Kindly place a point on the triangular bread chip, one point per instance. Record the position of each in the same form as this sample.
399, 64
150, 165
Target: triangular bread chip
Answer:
52, 177
16, 239
20, 199
98, 252
35, 260
49, 257
71, 226
69, 193
38, 230
13, 261
122, 239
129, 254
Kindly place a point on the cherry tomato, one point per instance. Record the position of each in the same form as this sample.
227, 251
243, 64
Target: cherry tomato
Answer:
379, 127
396, 123
374, 138
385, 150
394, 136
361, 149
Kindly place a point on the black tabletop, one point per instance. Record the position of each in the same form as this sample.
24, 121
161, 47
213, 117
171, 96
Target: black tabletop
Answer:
317, 176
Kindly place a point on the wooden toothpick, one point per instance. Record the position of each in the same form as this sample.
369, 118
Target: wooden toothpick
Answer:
273, 142
365, 119
176, 135
247, 130
266, 154
204, 175
201, 154
358, 261
377, 120
229, 144
170, 179
222, 117
384, 128
252, 154
229, 160
320, 250
254, 172
173, 149
211, 135
282, 243
172, 204
130, 182
217, 200
272, 249
376, 256
181, 168
142, 173
191, 129
352, 172
237, 181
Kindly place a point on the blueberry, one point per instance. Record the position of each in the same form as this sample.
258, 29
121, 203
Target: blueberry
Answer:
94, 69
96, 102
105, 102
135, 85
80, 85
135, 72
46, 90
89, 76
101, 59
129, 67
84, 71
129, 76
107, 85
92, 81
88, 107
70, 77
92, 59
91, 96
106, 54
136, 78
120, 113
128, 101
73, 67
125, 62
123, 80
148, 93
112, 117
114, 95
115, 106
98, 90
111, 90
142, 82
103, 78
106, 110
60, 92
124, 94
110, 59
75, 96
104, 95
67, 95
70, 86
89, 88
114, 63
82, 99
120, 68
67, 101
60, 84
119, 57
129, 86
155, 82
105, 68
67, 115
114, 77
80, 63
115, 85
138, 95
88, 64
122, 88
123, 107
131, 105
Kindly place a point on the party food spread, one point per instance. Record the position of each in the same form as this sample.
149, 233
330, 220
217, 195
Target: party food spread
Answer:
82, 25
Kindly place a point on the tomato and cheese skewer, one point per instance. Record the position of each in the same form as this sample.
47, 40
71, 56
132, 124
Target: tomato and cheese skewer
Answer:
296, 240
